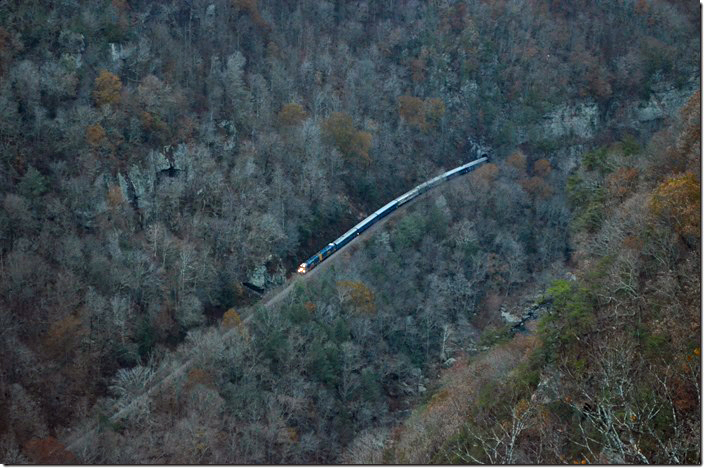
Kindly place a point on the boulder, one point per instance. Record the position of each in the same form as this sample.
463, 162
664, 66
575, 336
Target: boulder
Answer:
449, 363
508, 317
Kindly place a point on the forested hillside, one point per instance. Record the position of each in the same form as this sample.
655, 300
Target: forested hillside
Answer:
612, 373
157, 156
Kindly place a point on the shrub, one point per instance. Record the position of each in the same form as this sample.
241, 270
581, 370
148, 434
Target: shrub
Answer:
435, 109
252, 9
301, 313
325, 362
115, 196
588, 202
495, 335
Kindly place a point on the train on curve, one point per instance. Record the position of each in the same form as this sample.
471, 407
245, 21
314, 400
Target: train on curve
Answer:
367, 222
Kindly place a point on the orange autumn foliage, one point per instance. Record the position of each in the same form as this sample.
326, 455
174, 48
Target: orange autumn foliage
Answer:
199, 376
95, 135
106, 88
418, 70
536, 187
252, 9
339, 129
419, 113
485, 175
434, 110
542, 168
231, 319
411, 110
291, 114
48, 451
115, 196
622, 181
678, 201
357, 295
64, 335
361, 144
517, 160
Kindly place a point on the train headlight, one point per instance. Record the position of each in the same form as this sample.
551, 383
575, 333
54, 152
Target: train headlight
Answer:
302, 269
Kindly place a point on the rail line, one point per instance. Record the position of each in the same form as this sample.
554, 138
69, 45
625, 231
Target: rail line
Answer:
385, 210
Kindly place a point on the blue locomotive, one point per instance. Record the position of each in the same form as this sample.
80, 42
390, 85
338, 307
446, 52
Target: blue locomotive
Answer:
367, 222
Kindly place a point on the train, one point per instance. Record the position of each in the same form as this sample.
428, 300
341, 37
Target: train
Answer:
367, 222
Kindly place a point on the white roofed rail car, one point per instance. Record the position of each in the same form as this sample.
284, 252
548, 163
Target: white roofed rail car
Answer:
389, 207
408, 196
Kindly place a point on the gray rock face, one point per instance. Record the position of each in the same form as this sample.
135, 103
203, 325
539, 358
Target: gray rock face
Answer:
182, 162
531, 309
583, 120
143, 187
580, 120
547, 390
210, 14
158, 161
122, 182
268, 273
664, 102
476, 149
120, 52
661, 104
259, 277
141, 181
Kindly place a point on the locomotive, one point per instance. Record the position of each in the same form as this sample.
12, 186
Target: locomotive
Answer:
367, 222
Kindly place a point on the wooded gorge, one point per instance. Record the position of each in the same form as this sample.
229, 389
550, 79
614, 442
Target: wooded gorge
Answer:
157, 156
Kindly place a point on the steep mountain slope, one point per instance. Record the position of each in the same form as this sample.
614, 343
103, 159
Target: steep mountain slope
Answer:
155, 156
612, 374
